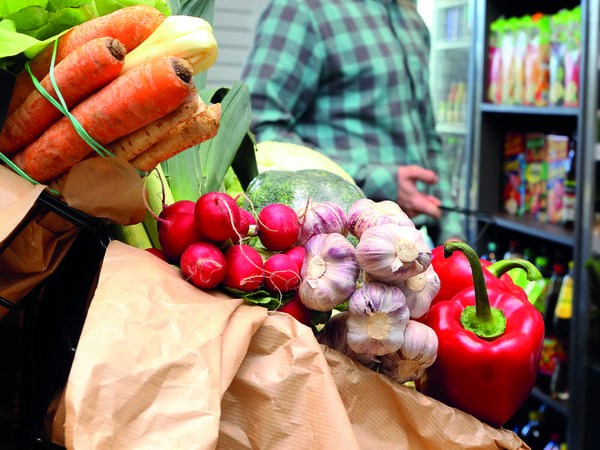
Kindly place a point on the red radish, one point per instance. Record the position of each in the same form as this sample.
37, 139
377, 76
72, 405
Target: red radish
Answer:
158, 253
281, 274
180, 206
177, 233
278, 226
203, 265
217, 216
297, 310
297, 253
244, 268
246, 219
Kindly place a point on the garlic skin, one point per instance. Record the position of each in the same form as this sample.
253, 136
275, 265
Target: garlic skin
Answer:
321, 218
420, 291
335, 335
329, 273
377, 318
418, 352
392, 253
366, 213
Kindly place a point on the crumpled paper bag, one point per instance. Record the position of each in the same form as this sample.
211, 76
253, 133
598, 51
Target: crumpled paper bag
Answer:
38, 248
163, 365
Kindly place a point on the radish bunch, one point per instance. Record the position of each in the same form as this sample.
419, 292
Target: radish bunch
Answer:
218, 244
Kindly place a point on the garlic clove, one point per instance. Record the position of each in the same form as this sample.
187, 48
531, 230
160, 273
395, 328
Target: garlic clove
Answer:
365, 213
420, 290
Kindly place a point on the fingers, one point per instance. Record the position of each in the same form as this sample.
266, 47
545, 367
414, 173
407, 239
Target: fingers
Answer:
410, 199
417, 173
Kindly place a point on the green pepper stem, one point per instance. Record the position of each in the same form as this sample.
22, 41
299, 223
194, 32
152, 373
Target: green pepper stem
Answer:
499, 268
482, 320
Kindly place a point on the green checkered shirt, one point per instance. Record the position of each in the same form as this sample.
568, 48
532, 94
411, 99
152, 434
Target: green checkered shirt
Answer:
350, 78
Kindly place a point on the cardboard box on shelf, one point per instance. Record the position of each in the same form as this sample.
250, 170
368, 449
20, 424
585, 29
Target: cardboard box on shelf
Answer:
513, 195
558, 149
536, 176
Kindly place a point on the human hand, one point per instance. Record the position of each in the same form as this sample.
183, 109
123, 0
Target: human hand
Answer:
410, 199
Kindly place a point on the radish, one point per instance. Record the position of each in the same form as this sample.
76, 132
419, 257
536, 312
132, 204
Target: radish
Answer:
157, 252
297, 253
180, 206
176, 233
297, 310
217, 216
244, 268
246, 220
281, 274
278, 226
203, 265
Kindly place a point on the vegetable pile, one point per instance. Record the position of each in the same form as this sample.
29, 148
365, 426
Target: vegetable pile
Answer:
121, 85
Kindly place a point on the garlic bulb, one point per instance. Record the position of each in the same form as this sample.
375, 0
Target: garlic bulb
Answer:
377, 317
329, 272
321, 217
418, 352
392, 253
365, 213
420, 291
335, 335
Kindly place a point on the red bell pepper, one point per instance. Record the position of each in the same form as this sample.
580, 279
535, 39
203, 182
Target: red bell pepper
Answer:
455, 274
489, 347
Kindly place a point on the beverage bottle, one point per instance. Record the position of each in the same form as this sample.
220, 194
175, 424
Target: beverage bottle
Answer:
513, 251
547, 363
570, 187
491, 252
559, 385
532, 432
554, 443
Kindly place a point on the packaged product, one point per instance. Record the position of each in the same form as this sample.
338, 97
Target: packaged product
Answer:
521, 28
513, 195
536, 176
494, 93
537, 77
558, 147
573, 57
558, 39
507, 49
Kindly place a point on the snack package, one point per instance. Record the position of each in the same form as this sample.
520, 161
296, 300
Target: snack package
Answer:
536, 176
558, 147
494, 93
573, 57
507, 49
558, 39
537, 75
513, 196
521, 29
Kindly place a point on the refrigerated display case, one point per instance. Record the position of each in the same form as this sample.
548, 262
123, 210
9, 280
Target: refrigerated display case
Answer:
451, 61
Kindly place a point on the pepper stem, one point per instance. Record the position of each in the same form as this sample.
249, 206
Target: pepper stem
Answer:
499, 268
482, 320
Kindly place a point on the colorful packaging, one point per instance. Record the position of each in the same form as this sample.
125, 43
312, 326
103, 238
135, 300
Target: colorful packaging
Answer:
540, 77
494, 94
513, 195
573, 57
507, 50
536, 176
558, 148
558, 48
521, 36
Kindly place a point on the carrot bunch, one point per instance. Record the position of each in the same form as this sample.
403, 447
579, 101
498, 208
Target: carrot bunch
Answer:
145, 114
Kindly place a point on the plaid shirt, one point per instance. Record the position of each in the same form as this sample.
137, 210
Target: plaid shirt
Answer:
350, 78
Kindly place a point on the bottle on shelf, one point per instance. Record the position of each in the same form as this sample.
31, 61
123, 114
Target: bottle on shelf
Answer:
490, 255
554, 443
559, 385
547, 363
513, 251
570, 186
532, 432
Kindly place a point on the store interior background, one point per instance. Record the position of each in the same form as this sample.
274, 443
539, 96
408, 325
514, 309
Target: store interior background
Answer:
474, 133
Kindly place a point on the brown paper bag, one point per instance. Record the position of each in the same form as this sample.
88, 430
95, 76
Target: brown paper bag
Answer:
164, 365
38, 249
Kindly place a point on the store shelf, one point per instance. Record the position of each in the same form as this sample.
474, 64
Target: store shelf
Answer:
559, 406
548, 232
536, 110
451, 128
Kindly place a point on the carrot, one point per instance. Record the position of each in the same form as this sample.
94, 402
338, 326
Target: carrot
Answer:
131, 101
203, 125
130, 146
130, 25
82, 72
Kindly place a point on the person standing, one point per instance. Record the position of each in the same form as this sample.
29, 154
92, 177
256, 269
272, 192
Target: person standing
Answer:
350, 78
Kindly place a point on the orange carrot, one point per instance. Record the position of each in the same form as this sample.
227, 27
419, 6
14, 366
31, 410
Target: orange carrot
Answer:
130, 25
84, 71
131, 101
130, 146
203, 125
